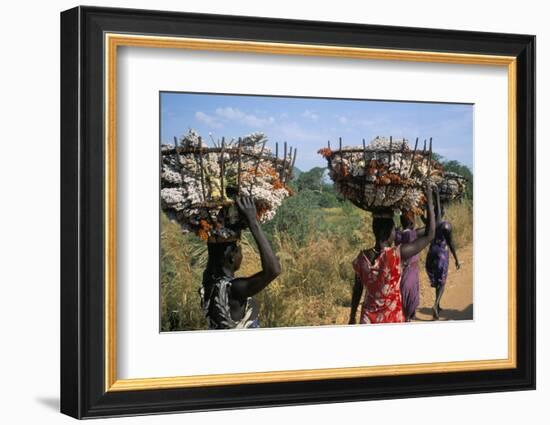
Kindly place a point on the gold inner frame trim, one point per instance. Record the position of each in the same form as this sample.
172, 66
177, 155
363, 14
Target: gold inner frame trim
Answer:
113, 41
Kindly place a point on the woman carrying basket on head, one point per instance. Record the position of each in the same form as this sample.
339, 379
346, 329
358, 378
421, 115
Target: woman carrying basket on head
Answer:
437, 260
410, 279
227, 301
379, 270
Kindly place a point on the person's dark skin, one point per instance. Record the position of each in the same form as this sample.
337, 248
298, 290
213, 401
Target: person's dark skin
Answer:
439, 213
407, 223
244, 287
407, 250
448, 235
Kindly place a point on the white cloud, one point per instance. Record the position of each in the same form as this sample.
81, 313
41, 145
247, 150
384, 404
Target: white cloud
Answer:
366, 122
293, 131
208, 120
357, 122
234, 114
310, 114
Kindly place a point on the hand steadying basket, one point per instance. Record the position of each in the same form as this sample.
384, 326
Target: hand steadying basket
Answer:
384, 175
199, 184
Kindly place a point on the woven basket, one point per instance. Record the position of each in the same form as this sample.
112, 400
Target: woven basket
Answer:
199, 184
452, 187
382, 180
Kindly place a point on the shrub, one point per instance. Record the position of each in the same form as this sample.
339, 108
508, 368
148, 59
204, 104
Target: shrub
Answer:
316, 247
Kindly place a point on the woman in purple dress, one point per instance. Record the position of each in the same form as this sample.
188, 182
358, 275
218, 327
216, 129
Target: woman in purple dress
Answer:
410, 284
437, 260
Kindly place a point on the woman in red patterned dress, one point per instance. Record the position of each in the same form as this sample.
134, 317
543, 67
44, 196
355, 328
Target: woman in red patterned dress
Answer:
379, 269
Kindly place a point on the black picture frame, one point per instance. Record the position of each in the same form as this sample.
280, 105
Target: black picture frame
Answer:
82, 206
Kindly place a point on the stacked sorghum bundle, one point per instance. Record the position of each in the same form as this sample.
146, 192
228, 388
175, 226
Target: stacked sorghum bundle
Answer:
384, 175
199, 184
452, 187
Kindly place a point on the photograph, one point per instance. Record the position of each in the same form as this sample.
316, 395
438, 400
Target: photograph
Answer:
279, 211
351, 201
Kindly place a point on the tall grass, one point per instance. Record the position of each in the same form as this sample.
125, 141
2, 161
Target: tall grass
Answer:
180, 279
460, 215
315, 285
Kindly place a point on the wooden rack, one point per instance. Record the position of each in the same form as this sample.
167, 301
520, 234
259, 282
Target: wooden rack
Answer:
236, 152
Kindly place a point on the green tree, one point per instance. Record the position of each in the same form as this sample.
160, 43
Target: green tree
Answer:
312, 179
298, 216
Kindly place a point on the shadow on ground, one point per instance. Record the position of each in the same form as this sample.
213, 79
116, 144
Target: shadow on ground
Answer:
451, 314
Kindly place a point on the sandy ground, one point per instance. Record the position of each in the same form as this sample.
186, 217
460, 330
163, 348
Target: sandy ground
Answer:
457, 301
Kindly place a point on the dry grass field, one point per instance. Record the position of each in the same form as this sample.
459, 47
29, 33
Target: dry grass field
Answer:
316, 281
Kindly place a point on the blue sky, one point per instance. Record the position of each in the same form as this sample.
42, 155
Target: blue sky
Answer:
308, 123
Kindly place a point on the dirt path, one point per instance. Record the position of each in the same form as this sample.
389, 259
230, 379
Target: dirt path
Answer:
457, 301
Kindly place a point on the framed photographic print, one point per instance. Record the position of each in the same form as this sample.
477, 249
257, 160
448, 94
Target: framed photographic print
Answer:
261, 212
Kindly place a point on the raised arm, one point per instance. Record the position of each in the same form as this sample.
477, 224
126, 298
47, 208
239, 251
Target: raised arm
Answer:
355, 298
408, 250
245, 287
421, 231
438, 204
449, 239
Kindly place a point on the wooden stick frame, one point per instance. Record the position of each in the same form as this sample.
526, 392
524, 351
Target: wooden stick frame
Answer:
285, 164
426, 154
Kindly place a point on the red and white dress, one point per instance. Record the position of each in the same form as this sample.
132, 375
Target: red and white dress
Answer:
381, 280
